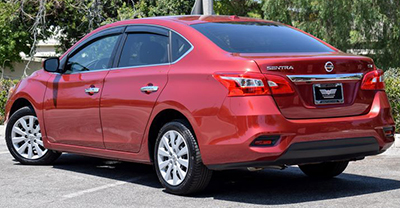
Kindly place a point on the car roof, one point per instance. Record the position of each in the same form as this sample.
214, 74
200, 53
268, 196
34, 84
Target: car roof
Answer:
198, 19
193, 19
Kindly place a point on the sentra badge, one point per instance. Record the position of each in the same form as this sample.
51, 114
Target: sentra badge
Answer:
277, 68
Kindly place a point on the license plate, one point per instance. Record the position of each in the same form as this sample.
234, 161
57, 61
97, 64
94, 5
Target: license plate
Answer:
331, 93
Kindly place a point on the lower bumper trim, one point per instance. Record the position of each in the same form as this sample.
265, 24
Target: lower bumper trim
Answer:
315, 152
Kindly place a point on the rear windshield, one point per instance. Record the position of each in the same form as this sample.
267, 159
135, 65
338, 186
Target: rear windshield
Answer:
259, 37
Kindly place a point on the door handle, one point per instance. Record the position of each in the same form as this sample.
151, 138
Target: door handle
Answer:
91, 90
149, 89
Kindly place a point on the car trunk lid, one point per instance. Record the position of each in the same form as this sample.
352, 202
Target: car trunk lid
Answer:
326, 85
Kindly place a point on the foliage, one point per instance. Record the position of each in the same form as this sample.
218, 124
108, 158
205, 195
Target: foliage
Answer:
369, 25
14, 35
392, 82
5, 85
77, 18
249, 8
71, 18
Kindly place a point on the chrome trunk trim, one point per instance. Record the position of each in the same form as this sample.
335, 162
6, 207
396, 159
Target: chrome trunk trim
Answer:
325, 77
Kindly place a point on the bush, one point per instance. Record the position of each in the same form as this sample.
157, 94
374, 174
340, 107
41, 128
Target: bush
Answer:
392, 81
5, 86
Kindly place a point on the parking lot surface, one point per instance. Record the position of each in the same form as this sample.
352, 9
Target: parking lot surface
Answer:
78, 181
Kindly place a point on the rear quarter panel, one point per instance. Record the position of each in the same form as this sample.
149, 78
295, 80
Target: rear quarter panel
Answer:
192, 90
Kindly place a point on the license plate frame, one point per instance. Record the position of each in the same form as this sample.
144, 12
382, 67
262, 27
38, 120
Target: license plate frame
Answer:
328, 93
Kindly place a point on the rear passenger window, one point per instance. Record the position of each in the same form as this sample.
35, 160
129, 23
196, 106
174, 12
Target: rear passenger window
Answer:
144, 49
179, 46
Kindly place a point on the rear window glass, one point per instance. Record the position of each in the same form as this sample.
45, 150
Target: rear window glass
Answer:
144, 49
259, 37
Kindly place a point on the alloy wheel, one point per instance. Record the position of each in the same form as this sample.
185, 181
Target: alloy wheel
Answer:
173, 157
26, 138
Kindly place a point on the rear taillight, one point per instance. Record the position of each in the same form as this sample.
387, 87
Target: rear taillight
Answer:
254, 84
279, 85
244, 84
373, 81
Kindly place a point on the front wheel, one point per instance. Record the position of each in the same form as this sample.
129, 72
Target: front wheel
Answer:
324, 170
177, 160
24, 139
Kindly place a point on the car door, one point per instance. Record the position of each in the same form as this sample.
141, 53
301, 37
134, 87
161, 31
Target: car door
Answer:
132, 87
72, 100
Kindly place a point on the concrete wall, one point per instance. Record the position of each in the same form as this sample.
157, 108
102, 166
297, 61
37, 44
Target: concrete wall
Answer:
18, 69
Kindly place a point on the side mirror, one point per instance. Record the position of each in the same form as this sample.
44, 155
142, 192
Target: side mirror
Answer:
51, 64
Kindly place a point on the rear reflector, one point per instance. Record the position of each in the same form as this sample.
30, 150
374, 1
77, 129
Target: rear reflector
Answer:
265, 141
388, 131
373, 80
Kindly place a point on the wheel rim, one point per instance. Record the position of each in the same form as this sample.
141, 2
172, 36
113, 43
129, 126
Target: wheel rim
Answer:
27, 138
173, 158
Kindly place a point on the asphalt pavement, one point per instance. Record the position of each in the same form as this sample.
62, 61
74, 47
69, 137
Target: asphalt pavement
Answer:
79, 181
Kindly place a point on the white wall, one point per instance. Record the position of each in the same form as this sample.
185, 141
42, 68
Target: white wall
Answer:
18, 69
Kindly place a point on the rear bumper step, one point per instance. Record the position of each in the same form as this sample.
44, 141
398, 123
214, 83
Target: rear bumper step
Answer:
315, 152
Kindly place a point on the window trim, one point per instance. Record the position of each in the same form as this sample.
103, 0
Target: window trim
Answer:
110, 61
141, 29
102, 34
169, 30
120, 29
184, 54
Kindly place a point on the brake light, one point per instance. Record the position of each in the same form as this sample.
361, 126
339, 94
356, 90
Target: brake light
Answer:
244, 84
254, 84
373, 80
279, 85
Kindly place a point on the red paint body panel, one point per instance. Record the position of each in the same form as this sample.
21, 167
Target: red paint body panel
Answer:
248, 118
301, 104
71, 115
125, 110
115, 122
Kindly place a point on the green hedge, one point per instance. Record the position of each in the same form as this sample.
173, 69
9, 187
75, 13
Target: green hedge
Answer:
392, 81
5, 86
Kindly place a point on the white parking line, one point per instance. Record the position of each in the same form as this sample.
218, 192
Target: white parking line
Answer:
5, 152
99, 188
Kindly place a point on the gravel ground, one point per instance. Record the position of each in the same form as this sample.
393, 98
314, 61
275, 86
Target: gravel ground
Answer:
78, 181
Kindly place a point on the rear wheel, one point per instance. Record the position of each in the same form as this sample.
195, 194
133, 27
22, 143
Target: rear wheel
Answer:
24, 139
324, 170
177, 160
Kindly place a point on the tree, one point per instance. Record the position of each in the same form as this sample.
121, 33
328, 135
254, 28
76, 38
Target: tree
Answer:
370, 25
15, 37
23, 23
249, 8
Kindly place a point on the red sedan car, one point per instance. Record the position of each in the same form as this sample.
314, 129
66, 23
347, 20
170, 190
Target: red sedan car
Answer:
192, 94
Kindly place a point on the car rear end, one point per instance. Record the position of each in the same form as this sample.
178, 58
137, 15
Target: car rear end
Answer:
306, 103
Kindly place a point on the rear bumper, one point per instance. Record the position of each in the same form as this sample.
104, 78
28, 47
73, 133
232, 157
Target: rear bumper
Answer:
314, 152
225, 141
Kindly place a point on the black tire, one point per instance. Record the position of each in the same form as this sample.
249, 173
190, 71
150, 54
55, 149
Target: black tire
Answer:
198, 175
47, 158
324, 170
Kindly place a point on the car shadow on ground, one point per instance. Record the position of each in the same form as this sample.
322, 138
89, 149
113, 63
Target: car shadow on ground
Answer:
267, 187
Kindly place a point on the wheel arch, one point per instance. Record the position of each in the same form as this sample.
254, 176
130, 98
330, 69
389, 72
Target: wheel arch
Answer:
20, 103
163, 117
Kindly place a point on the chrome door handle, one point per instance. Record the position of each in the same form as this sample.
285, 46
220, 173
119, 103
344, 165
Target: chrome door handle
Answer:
92, 90
149, 89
